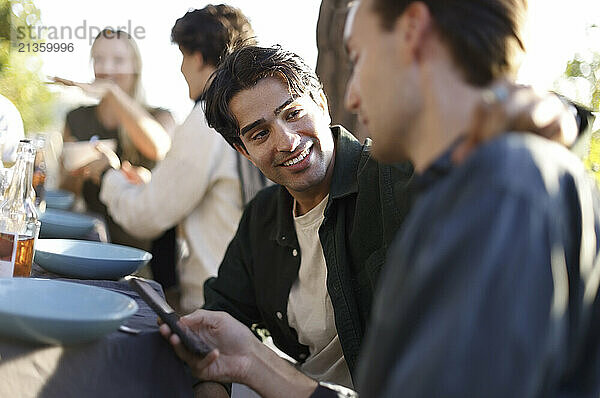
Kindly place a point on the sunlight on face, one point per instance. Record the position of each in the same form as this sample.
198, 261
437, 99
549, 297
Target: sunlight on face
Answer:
380, 89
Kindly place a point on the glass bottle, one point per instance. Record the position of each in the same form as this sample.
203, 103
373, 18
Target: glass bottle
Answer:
5, 172
5, 177
39, 173
18, 217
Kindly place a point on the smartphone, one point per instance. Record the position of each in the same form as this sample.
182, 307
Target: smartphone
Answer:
190, 340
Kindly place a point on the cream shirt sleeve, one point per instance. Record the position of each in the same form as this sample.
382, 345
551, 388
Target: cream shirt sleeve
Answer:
178, 182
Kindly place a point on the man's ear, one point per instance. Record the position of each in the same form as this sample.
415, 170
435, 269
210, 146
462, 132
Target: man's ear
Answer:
414, 26
199, 59
321, 101
241, 149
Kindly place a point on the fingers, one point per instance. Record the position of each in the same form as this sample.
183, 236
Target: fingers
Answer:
111, 157
127, 170
545, 110
552, 119
164, 330
199, 365
142, 175
204, 319
129, 173
126, 166
100, 147
70, 83
489, 119
96, 89
60, 80
509, 107
568, 129
196, 321
135, 175
197, 317
542, 113
553, 131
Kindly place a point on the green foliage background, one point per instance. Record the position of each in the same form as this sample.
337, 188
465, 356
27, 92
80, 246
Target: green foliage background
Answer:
21, 79
589, 70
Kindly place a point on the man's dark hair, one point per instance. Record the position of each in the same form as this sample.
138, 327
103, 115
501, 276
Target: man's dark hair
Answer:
484, 36
241, 70
213, 31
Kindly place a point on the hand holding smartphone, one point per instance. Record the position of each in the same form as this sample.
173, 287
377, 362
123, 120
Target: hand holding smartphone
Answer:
190, 340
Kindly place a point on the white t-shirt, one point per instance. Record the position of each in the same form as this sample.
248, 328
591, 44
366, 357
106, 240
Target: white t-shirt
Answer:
310, 311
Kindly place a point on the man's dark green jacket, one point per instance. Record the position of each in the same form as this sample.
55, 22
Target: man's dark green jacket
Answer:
367, 203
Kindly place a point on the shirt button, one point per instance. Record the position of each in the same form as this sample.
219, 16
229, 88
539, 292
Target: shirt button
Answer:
279, 315
283, 238
294, 252
302, 356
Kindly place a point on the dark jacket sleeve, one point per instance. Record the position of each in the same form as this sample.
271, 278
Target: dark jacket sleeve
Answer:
232, 290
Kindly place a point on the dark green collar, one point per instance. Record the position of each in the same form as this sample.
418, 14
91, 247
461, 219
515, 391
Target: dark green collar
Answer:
347, 158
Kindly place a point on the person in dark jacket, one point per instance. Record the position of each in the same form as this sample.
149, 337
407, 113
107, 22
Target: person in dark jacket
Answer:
491, 286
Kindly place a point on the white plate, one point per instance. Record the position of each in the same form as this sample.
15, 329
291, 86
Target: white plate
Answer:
88, 260
65, 224
58, 312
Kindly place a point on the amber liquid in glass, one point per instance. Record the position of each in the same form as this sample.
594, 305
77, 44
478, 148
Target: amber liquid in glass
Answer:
39, 178
23, 255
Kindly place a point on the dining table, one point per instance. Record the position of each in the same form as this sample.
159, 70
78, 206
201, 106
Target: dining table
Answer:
136, 362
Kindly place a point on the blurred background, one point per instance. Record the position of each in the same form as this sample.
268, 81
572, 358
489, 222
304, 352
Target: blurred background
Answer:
563, 40
274, 22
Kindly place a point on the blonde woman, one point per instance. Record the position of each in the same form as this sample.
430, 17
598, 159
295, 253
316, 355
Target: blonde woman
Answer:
142, 133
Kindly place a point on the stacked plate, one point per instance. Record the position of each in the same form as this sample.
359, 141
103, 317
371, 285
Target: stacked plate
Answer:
59, 199
65, 224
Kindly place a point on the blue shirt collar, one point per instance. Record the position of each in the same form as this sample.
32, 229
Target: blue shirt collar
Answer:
439, 169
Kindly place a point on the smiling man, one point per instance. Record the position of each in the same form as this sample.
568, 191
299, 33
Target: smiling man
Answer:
300, 156
307, 254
